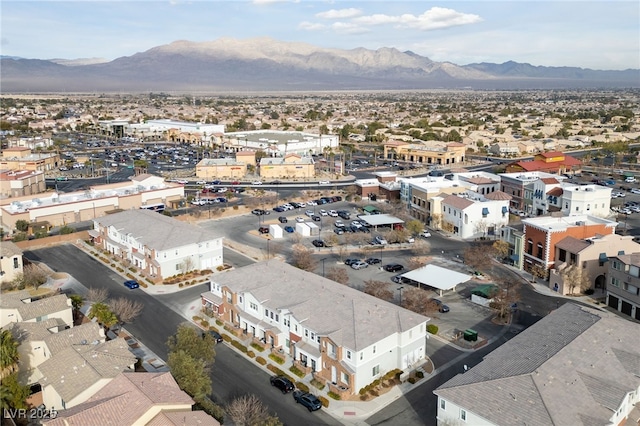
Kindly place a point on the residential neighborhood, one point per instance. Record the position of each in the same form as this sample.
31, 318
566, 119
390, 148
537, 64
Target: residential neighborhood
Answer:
373, 258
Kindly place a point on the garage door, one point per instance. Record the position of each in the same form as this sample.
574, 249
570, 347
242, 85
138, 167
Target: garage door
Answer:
626, 308
613, 302
638, 313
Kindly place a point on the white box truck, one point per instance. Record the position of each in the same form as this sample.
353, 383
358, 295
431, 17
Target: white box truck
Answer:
303, 229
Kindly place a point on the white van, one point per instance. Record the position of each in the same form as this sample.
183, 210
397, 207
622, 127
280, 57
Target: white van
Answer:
630, 179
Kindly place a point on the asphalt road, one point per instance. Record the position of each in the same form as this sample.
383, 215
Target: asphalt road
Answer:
232, 375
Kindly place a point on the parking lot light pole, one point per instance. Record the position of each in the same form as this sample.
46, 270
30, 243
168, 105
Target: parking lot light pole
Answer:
400, 289
323, 259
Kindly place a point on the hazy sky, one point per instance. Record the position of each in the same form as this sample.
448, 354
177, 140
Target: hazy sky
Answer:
598, 35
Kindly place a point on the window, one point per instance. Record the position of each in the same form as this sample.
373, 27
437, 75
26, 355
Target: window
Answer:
277, 318
566, 205
240, 299
562, 255
361, 356
253, 306
615, 282
374, 349
539, 254
616, 265
375, 370
529, 246
266, 312
306, 333
588, 207
16, 264
313, 336
345, 378
463, 415
443, 404
348, 354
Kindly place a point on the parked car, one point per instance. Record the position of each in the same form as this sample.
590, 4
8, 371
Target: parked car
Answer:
308, 400
258, 212
283, 219
359, 265
630, 179
379, 240
284, 384
333, 213
338, 231
316, 218
635, 191
131, 284
257, 182
441, 306
279, 209
323, 212
309, 213
289, 229
318, 243
299, 219
393, 267
373, 261
344, 214
324, 182
348, 262
216, 336
425, 234
263, 229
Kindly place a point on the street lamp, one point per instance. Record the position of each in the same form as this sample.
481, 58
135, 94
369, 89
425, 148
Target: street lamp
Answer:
268, 252
400, 289
322, 260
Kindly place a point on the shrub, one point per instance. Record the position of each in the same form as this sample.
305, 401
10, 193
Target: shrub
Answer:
113, 265
362, 391
226, 337
204, 323
419, 374
261, 360
411, 380
180, 285
220, 268
235, 207
432, 328
317, 384
589, 291
276, 358
363, 397
374, 392
196, 318
239, 345
334, 395
295, 370
251, 354
325, 401
143, 285
218, 322
133, 269
303, 387
257, 347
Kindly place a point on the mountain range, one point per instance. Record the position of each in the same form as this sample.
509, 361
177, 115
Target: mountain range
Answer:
265, 64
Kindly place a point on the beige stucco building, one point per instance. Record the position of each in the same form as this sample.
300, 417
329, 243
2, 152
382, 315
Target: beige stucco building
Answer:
220, 168
17, 183
428, 152
290, 167
592, 256
11, 264
22, 158
58, 209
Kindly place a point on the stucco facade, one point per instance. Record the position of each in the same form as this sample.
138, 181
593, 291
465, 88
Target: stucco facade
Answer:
623, 284
220, 168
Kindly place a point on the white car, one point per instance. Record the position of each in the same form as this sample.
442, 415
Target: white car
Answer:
635, 191
323, 212
182, 181
256, 183
201, 182
309, 213
312, 203
630, 179
359, 264
425, 234
299, 219
333, 213
324, 182
302, 204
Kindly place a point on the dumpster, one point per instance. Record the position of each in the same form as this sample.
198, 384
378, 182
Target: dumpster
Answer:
470, 335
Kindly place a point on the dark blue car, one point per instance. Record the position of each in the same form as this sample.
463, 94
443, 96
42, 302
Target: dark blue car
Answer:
131, 284
308, 400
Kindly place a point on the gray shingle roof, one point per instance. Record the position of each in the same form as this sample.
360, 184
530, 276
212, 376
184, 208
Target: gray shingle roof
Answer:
9, 249
349, 317
36, 308
580, 363
155, 230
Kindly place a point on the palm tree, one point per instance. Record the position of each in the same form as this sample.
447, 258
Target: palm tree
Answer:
76, 302
9, 355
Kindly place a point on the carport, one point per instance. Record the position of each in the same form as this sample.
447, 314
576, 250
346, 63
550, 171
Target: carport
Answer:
436, 277
376, 220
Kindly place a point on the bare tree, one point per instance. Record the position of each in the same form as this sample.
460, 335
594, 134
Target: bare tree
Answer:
126, 310
97, 295
538, 271
416, 262
576, 277
414, 226
302, 258
476, 256
480, 227
338, 275
32, 276
415, 300
436, 220
379, 289
420, 248
186, 265
501, 248
248, 410
505, 296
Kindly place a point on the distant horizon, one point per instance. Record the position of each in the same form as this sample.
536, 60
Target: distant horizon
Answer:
598, 35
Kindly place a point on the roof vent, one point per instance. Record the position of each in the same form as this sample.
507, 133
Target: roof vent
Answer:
83, 341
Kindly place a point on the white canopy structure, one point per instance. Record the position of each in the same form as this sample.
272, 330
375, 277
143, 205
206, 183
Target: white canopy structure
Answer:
437, 277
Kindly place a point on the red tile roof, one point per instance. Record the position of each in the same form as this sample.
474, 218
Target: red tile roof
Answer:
549, 180
556, 192
498, 195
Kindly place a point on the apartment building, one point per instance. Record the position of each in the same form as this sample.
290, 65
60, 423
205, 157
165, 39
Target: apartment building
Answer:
157, 245
623, 285
472, 215
541, 234
591, 255
344, 337
11, 265
515, 185
576, 366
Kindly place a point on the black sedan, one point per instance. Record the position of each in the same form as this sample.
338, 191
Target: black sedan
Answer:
373, 261
394, 267
318, 243
308, 400
284, 384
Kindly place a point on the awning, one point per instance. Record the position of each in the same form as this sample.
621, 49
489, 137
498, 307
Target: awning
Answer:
485, 211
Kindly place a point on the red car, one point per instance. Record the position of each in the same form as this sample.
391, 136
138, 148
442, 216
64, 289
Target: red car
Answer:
235, 182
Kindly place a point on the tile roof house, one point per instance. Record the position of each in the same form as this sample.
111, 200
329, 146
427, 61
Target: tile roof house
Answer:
40, 341
551, 162
158, 245
576, 366
79, 371
19, 306
136, 399
10, 261
343, 336
470, 214
623, 284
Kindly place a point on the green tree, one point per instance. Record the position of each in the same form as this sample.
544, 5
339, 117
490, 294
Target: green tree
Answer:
13, 394
190, 373
76, 303
9, 355
193, 343
22, 225
66, 230
103, 314
414, 226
